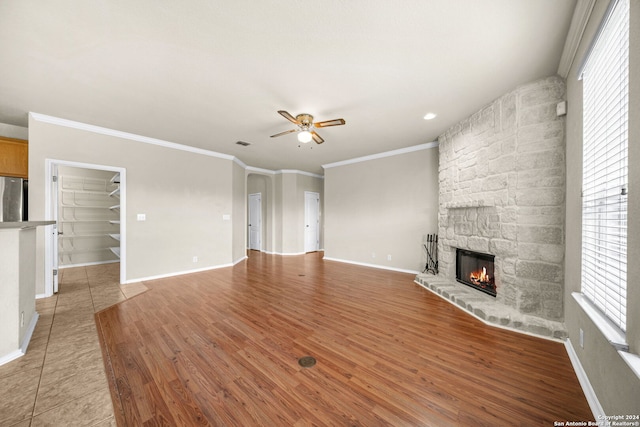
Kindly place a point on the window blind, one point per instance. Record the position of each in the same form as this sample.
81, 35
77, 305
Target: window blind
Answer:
604, 167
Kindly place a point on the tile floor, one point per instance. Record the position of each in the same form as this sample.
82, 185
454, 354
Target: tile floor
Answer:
61, 381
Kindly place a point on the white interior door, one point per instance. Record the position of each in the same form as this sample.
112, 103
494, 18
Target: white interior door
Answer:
255, 221
311, 221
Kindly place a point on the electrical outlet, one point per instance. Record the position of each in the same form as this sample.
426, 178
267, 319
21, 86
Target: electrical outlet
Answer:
373, 254
389, 257
195, 259
581, 338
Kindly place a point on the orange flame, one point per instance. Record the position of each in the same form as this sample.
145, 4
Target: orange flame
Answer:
478, 277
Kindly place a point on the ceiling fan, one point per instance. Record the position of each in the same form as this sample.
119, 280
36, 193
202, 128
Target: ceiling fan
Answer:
305, 122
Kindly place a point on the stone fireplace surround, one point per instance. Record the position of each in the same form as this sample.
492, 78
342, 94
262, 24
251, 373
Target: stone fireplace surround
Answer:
502, 190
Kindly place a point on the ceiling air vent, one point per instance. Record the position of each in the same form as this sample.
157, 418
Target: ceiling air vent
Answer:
244, 144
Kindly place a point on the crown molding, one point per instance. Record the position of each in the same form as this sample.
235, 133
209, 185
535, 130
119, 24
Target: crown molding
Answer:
260, 170
391, 153
282, 171
130, 136
298, 172
579, 21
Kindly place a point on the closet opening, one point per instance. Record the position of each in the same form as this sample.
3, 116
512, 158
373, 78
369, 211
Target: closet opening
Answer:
87, 203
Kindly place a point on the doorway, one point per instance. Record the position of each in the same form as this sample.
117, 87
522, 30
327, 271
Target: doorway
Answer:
77, 206
255, 221
311, 221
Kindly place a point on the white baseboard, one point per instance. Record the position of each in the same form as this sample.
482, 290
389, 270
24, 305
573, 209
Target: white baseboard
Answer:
24, 344
382, 267
290, 253
29, 332
589, 393
179, 273
11, 356
240, 260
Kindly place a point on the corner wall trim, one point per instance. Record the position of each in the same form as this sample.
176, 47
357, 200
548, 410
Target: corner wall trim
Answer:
579, 21
363, 264
589, 393
391, 153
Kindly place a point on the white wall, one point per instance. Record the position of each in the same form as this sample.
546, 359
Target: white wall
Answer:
384, 207
616, 386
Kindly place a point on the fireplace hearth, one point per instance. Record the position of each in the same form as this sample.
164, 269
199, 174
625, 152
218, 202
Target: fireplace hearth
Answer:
476, 269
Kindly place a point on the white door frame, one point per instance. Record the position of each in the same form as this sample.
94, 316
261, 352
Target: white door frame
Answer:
259, 214
50, 213
315, 196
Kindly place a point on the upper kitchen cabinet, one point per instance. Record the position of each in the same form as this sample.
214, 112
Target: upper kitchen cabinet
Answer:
14, 157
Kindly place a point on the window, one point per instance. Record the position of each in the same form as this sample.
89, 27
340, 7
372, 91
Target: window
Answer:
604, 167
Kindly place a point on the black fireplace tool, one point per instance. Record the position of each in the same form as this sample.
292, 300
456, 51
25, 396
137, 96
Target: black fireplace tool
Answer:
431, 246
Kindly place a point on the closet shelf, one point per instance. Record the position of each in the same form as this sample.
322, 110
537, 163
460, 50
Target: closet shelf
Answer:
71, 221
116, 251
81, 251
62, 205
83, 236
88, 215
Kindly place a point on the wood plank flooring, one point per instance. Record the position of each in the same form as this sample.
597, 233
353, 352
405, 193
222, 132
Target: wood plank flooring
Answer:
222, 347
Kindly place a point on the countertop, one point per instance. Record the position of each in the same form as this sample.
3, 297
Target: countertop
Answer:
24, 224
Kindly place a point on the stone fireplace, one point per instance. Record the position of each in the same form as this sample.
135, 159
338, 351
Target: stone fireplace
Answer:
502, 188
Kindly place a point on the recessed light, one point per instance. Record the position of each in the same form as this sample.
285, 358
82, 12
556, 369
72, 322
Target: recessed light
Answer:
430, 116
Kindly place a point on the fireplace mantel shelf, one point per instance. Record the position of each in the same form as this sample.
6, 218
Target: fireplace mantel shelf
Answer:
469, 204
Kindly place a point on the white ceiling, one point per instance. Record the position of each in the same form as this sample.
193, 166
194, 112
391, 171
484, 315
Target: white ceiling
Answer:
208, 73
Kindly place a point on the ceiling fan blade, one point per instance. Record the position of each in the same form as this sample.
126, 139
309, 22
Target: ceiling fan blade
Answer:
317, 138
334, 122
284, 133
288, 116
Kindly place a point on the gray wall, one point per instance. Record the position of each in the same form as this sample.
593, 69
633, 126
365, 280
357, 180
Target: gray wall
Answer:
616, 386
384, 207
289, 210
183, 194
263, 184
239, 218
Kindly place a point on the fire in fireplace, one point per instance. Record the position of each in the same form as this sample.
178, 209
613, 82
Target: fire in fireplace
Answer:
476, 269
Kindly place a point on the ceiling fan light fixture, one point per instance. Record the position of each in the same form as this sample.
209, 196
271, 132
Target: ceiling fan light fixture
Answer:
304, 136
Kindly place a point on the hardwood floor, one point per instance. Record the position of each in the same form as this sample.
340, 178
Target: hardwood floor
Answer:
222, 348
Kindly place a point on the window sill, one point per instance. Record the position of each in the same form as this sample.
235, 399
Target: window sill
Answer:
611, 332
633, 360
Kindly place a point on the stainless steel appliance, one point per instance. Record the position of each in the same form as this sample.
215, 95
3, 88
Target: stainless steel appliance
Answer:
13, 199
